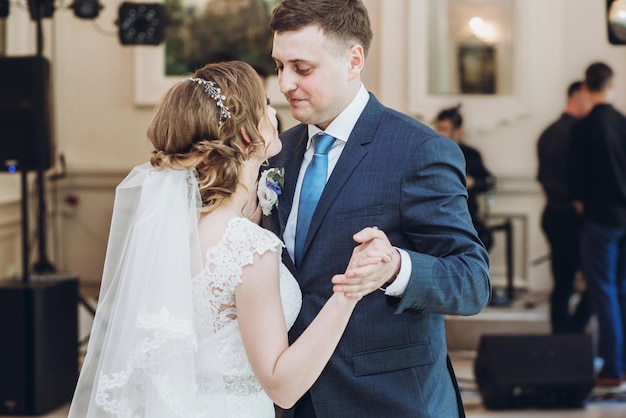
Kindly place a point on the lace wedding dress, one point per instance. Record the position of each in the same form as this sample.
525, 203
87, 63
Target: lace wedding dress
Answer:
227, 386
165, 340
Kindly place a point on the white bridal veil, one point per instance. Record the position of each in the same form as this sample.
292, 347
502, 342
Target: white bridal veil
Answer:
140, 358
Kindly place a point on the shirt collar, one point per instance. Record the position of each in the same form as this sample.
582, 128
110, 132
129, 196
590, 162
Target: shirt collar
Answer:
342, 126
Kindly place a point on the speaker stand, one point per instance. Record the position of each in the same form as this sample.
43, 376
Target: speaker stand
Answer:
42, 265
25, 246
499, 298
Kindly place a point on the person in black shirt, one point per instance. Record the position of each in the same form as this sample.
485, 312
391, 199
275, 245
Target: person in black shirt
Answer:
560, 221
598, 179
449, 123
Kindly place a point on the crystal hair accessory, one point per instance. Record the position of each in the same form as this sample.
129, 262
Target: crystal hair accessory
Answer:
214, 93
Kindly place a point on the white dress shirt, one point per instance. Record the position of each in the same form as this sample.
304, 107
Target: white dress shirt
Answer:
340, 129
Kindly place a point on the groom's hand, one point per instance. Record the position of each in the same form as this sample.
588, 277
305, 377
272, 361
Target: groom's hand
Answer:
374, 263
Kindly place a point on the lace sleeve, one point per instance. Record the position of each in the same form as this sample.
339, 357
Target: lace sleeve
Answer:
225, 262
222, 363
248, 239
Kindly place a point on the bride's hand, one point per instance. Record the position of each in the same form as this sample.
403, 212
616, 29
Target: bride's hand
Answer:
373, 263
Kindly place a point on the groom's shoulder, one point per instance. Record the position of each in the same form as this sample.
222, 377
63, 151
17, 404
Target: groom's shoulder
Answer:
392, 122
405, 130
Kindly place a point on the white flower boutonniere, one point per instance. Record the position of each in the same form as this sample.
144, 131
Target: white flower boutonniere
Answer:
270, 187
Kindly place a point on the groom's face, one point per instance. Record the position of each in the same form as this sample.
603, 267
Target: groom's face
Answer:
313, 74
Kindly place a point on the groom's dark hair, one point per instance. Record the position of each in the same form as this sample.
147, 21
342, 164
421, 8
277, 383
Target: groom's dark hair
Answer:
345, 20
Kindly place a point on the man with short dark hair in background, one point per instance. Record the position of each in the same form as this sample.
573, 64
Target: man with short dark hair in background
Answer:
560, 221
599, 188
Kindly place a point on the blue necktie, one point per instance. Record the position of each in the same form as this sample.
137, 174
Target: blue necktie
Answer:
312, 187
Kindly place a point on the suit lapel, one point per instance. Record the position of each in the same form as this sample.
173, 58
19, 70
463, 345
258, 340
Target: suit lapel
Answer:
291, 162
353, 153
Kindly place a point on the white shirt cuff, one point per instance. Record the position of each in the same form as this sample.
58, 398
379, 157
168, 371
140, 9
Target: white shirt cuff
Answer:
399, 285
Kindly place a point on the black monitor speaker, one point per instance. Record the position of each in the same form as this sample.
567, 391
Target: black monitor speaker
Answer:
25, 114
534, 371
39, 345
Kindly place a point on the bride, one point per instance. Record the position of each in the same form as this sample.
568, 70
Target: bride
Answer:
195, 304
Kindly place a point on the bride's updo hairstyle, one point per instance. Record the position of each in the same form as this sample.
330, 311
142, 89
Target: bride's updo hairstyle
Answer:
197, 124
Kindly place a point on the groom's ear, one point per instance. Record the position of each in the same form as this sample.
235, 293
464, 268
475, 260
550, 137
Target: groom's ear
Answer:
357, 61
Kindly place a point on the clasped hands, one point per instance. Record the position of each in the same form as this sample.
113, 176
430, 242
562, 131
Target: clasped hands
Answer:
374, 263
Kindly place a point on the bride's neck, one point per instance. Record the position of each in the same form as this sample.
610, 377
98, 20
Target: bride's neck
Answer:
248, 176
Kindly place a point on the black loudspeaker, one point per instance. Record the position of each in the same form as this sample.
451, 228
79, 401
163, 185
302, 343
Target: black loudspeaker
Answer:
540, 371
39, 345
25, 114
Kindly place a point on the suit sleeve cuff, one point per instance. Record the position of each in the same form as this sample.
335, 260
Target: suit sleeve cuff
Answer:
397, 288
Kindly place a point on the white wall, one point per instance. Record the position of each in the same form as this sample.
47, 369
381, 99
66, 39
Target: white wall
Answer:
101, 131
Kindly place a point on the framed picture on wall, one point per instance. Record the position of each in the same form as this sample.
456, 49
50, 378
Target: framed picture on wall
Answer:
477, 68
201, 31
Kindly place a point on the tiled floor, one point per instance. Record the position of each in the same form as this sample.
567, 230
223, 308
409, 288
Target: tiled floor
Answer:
528, 314
463, 366
474, 409
59, 413
517, 317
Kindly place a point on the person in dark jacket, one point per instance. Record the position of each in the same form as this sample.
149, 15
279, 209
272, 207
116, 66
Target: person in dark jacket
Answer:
598, 184
560, 221
449, 123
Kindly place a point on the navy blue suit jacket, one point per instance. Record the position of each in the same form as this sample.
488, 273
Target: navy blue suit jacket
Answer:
401, 176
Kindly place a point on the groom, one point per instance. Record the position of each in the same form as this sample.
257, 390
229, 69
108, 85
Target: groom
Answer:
383, 169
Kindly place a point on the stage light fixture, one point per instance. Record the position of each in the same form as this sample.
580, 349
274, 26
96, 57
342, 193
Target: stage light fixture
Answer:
86, 9
39, 9
141, 23
616, 21
4, 8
